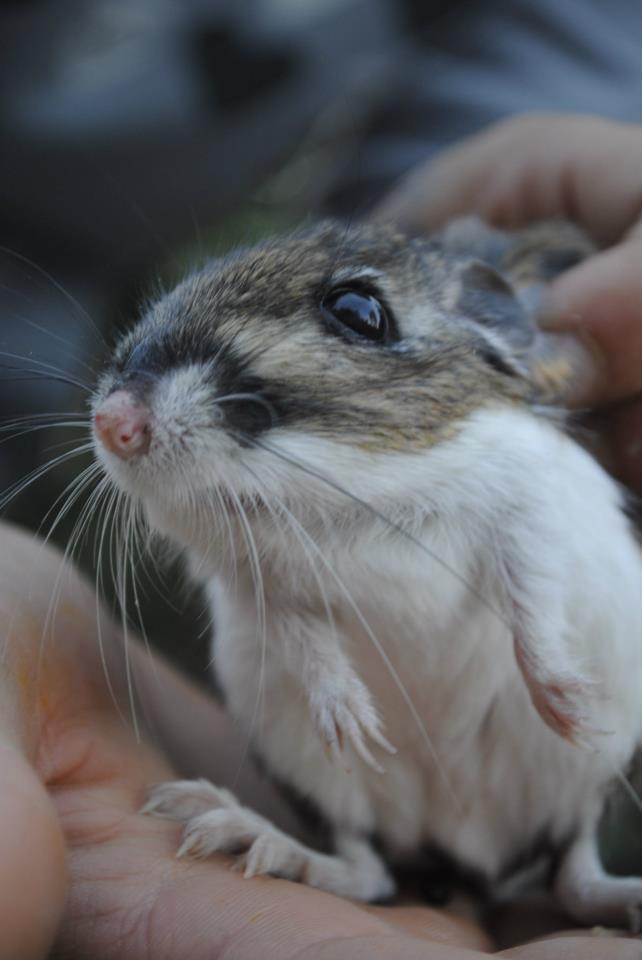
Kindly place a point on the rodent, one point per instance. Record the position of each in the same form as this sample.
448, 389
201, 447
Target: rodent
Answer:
425, 594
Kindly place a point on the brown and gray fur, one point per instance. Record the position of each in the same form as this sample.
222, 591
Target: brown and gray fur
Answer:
255, 316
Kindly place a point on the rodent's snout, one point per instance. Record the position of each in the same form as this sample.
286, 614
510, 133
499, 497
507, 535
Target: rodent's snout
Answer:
123, 426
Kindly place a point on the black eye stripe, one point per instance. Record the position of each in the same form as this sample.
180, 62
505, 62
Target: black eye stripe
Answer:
358, 311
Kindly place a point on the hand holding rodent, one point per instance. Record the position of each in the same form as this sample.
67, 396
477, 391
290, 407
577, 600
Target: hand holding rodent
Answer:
71, 778
102, 881
98, 774
588, 170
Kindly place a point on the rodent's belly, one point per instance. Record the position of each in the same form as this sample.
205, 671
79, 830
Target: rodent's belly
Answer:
476, 769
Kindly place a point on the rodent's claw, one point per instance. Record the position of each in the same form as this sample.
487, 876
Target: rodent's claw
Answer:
218, 831
562, 706
563, 697
351, 718
215, 822
379, 739
357, 741
184, 799
339, 733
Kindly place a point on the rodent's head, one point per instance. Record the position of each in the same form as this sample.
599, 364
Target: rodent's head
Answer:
347, 349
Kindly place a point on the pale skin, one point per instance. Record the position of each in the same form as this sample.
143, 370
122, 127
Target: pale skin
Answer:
79, 866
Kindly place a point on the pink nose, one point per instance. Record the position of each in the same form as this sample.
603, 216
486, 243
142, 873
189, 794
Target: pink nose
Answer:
123, 425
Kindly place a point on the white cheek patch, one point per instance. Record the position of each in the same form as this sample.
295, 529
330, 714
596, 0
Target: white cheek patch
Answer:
318, 466
191, 450
186, 439
183, 400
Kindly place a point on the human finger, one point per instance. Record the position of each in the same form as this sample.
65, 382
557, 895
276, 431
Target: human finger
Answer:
601, 302
603, 945
526, 168
32, 862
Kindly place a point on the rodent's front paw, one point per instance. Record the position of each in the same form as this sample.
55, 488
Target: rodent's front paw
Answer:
347, 714
563, 704
563, 697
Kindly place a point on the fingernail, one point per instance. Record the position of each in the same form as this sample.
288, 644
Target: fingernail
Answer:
566, 368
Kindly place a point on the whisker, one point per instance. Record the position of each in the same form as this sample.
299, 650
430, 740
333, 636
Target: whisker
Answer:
121, 581
629, 789
7, 423
392, 524
41, 368
58, 286
287, 516
70, 496
133, 555
104, 517
30, 375
259, 593
387, 663
15, 489
35, 428
68, 344
77, 532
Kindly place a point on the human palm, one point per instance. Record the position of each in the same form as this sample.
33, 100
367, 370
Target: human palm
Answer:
82, 868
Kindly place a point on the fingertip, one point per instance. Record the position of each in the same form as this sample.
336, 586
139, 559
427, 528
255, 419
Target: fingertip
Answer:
566, 302
32, 862
600, 301
602, 291
430, 195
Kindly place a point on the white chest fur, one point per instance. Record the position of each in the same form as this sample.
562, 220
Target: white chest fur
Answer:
524, 543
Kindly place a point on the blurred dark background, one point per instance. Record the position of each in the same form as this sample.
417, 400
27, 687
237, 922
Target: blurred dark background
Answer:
139, 136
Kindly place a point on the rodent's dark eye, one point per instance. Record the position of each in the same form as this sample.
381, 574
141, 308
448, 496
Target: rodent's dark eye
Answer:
358, 310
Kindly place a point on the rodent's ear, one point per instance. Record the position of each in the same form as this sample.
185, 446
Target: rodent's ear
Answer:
486, 298
471, 237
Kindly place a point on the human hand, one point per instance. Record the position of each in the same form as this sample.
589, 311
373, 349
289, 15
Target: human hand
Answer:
581, 168
73, 777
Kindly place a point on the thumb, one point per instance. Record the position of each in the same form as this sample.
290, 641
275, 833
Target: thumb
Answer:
601, 302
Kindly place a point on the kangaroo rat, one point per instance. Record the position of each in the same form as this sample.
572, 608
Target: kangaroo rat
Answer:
426, 597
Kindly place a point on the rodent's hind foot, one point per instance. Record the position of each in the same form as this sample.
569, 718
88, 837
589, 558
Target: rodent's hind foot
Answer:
184, 799
612, 902
215, 822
